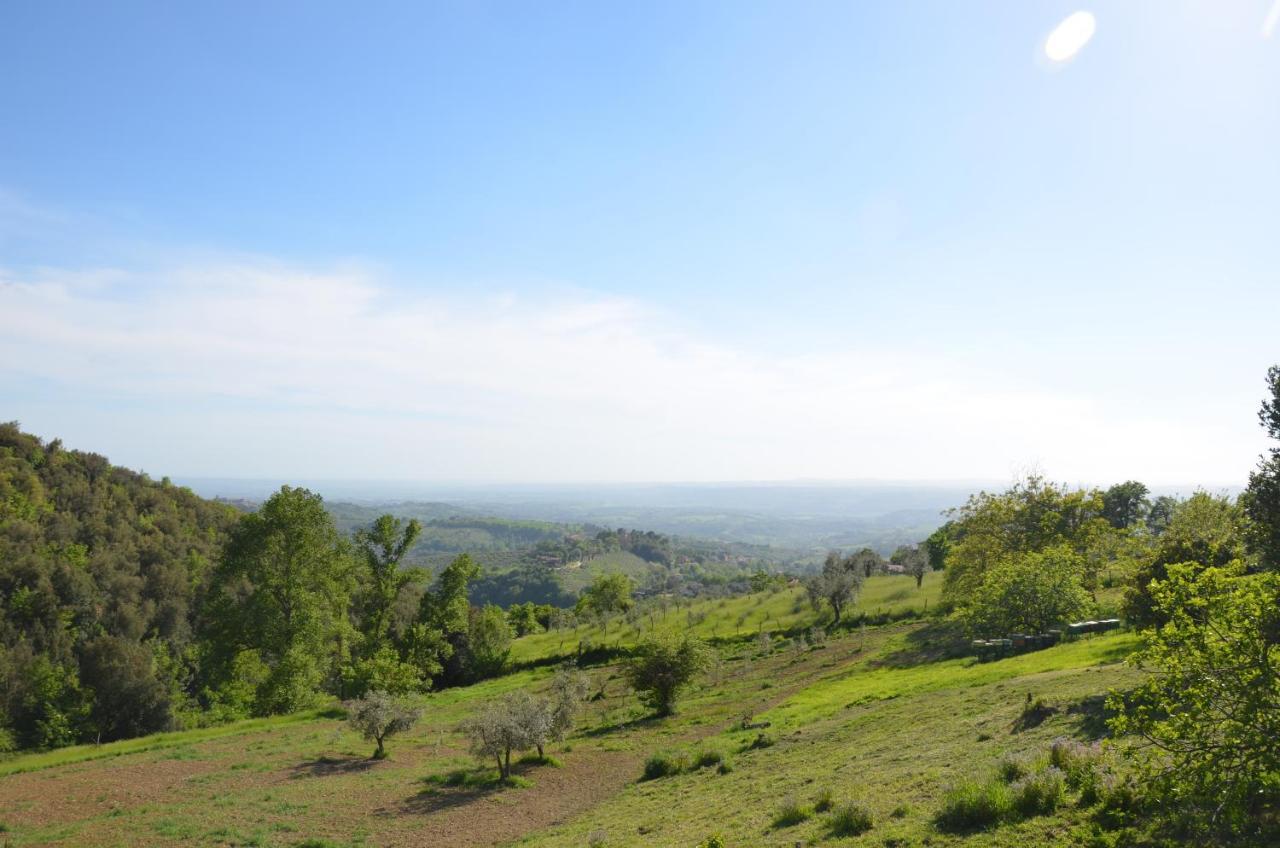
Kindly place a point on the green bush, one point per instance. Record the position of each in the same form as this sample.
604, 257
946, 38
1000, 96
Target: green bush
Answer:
713, 841
1078, 762
824, 801
791, 813
1013, 767
1040, 793
850, 819
663, 765
708, 757
974, 805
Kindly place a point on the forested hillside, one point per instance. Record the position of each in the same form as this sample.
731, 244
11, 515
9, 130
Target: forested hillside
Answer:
102, 572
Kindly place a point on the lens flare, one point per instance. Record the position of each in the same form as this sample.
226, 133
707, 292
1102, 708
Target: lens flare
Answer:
1069, 37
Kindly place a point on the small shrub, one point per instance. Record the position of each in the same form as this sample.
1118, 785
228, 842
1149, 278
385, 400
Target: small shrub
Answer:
900, 812
713, 841
825, 801
663, 765
708, 757
850, 819
724, 768
1013, 767
597, 839
1077, 761
974, 805
791, 813
1040, 793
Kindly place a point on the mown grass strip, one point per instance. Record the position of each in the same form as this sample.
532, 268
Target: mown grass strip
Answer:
862, 684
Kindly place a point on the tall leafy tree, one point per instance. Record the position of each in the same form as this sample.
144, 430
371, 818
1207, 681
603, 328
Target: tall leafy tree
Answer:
1125, 504
382, 548
1262, 498
281, 591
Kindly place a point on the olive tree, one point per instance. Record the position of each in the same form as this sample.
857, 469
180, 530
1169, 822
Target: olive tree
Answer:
378, 716
516, 723
662, 665
837, 584
569, 689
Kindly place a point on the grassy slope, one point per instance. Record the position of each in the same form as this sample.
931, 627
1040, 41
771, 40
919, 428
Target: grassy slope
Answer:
727, 618
870, 715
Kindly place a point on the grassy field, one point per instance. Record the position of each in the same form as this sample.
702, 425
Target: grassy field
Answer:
730, 618
886, 715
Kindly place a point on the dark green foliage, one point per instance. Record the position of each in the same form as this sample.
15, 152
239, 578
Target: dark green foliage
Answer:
850, 819
281, 592
101, 570
1261, 500
791, 813
382, 548
1125, 505
662, 666
607, 594
663, 765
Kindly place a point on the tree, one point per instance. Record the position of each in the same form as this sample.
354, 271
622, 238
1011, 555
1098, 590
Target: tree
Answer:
1261, 499
488, 642
866, 561
913, 560
281, 590
1161, 513
662, 665
499, 728
1029, 593
382, 547
1207, 530
607, 594
523, 618
129, 699
1031, 516
1209, 712
939, 544
569, 689
837, 584
378, 716
1125, 505
383, 671
445, 607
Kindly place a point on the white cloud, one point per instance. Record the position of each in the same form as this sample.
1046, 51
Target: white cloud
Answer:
259, 369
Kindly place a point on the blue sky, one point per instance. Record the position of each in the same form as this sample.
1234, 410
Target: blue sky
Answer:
647, 241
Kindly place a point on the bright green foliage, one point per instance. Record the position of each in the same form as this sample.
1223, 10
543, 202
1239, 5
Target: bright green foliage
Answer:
1032, 516
382, 548
1208, 530
528, 617
384, 671
974, 805
663, 665
607, 594
281, 590
1262, 499
488, 642
52, 710
1027, 594
1210, 711
445, 607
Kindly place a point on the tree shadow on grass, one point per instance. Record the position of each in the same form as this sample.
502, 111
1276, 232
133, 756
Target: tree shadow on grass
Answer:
620, 726
327, 766
458, 788
936, 641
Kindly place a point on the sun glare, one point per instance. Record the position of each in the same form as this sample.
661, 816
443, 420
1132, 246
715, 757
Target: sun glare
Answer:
1069, 37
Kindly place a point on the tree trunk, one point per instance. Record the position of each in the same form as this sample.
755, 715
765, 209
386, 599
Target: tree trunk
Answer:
541, 755
506, 769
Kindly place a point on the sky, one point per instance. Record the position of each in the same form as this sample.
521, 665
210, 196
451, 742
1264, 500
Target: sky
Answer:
686, 241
